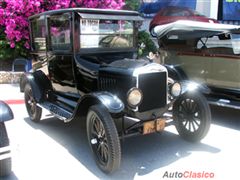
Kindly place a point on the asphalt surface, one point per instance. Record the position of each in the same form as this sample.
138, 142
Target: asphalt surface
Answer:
52, 150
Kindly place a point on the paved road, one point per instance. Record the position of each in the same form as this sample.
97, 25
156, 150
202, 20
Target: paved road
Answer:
52, 150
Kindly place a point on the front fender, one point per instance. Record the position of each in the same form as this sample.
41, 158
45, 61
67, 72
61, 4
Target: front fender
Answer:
190, 86
112, 103
175, 72
6, 113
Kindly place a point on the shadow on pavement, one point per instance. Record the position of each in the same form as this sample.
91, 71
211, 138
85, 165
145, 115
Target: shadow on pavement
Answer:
140, 155
226, 117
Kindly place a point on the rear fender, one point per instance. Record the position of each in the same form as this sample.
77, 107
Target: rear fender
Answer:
39, 83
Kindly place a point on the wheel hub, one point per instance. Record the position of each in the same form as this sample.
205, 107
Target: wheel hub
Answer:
190, 116
94, 141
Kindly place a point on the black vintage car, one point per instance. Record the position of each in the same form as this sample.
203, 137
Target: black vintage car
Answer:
88, 70
6, 114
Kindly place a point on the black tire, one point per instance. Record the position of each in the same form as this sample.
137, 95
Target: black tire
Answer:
192, 116
34, 111
103, 139
5, 164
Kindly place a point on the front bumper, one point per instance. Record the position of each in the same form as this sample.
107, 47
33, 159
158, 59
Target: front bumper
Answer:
5, 152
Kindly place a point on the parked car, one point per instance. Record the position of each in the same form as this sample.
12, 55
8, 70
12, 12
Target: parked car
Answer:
174, 13
6, 114
206, 53
90, 72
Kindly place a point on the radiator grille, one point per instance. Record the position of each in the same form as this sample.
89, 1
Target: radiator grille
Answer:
107, 83
154, 89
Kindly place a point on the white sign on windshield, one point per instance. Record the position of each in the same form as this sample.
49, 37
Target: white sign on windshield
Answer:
89, 31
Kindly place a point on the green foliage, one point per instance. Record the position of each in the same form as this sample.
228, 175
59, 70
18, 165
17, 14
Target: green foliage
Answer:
146, 44
7, 53
133, 4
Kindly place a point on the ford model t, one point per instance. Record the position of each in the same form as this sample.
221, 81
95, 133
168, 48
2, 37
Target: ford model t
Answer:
88, 70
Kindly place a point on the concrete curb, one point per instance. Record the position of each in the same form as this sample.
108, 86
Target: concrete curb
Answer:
8, 77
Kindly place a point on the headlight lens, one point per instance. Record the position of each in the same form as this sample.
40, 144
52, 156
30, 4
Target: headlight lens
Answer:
176, 89
134, 97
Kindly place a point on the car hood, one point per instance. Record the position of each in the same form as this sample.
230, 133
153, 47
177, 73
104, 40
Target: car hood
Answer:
129, 63
192, 29
133, 67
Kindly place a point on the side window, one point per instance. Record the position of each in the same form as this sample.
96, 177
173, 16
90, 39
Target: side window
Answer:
38, 34
59, 30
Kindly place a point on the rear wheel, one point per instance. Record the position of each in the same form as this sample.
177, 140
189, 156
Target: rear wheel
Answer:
103, 139
34, 111
5, 164
192, 116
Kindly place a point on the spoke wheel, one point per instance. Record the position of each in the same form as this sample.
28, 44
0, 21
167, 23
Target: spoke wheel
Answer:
34, 111
103, 139
5, 164
192, 116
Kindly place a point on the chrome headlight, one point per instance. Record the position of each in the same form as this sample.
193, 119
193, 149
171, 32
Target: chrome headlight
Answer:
176, 89
134, 97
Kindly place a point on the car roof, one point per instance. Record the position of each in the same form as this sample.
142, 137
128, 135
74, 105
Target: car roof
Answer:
186, 29
90, 11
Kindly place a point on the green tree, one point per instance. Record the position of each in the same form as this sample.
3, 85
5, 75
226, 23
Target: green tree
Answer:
146, 44
132, 4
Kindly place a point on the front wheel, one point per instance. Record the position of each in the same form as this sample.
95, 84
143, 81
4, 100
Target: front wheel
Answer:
5, 163
103, 138
34, 111
192, 116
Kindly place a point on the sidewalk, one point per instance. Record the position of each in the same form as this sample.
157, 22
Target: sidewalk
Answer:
10, 93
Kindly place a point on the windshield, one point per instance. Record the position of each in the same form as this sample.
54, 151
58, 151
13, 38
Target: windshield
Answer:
106, 33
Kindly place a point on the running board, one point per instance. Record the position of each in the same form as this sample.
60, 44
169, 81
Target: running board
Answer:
57, 110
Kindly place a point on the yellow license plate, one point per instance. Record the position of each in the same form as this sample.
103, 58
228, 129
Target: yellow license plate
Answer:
153, 126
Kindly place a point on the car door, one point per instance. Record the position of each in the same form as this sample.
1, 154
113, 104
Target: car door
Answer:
225, 72
194, 63
60, 56
225, 65
195, 66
